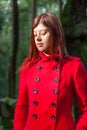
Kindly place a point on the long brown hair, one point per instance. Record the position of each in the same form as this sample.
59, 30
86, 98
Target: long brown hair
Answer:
52, 22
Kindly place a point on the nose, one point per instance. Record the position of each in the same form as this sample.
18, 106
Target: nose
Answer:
39, 37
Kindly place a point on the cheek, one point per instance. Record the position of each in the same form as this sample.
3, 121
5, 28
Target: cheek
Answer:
47, 43
47, 38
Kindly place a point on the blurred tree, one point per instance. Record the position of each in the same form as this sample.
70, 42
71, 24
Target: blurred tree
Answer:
48, 6
13, 58
60, 8
1, 20
5, 46
74, 19
33, 9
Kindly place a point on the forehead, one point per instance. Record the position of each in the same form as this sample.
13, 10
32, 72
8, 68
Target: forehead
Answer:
40, 27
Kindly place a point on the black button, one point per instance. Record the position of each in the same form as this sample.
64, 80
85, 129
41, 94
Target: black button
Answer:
56, 80
39, 58
37, 79
53, 117
57, 68
55, 91
35, 103
38, 67
35, 91
57, 60
34, 116
54, 105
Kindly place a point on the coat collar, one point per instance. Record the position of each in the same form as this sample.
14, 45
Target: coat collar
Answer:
44, 57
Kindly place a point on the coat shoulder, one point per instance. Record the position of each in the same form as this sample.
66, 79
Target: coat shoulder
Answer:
24, 64
72, 61
70, 58
28, 63
72, 64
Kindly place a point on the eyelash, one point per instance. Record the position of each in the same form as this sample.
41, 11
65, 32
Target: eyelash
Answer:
41, 33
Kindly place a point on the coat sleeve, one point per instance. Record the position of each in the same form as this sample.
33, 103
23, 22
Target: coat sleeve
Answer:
21, 109
80, 80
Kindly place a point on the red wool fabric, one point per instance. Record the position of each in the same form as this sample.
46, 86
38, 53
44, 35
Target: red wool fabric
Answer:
46, 94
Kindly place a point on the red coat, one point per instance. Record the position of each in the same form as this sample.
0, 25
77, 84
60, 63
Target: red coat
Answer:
46, 93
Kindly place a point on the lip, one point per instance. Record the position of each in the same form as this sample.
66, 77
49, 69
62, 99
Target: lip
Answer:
39, 44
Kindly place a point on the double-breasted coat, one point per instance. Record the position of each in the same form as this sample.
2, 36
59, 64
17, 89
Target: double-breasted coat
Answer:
46, 93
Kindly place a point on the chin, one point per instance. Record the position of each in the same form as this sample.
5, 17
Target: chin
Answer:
41, 50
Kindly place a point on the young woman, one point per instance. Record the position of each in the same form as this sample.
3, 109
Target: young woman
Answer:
49, 81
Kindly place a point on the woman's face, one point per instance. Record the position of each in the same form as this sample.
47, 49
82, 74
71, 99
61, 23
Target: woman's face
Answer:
42, 37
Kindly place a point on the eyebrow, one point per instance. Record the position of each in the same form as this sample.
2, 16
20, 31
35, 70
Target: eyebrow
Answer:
41, 30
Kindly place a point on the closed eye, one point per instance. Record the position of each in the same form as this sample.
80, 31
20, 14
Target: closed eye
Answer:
43, 32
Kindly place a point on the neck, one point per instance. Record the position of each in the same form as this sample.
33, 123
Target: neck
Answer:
45, 54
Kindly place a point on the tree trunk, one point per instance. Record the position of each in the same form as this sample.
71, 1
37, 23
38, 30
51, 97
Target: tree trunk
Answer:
13, 58
78, 10
33, 9
77, 16
60, 8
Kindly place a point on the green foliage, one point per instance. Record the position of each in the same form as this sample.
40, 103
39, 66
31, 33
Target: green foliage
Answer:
4, 63
66, 14
81, 51
6, 39
75, 28
1, 20
25, 16
47, 6
6, 120
78, 29
74, 23
5, 44
7, 123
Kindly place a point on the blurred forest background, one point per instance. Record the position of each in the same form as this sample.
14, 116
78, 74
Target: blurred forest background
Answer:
16, 18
